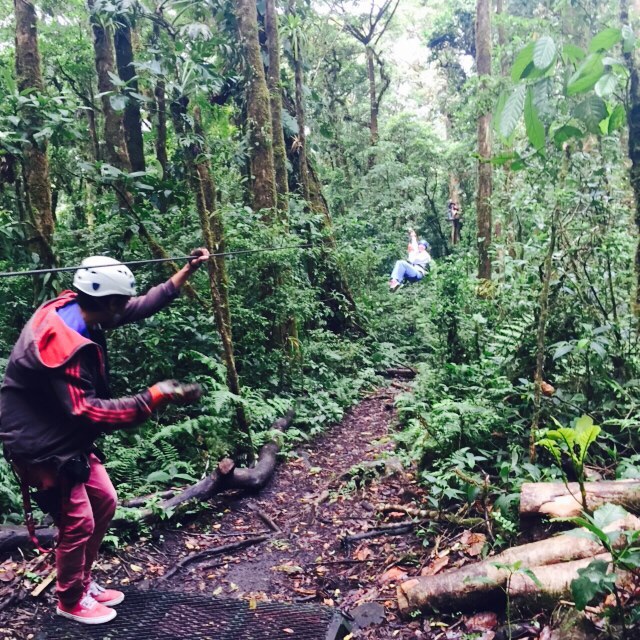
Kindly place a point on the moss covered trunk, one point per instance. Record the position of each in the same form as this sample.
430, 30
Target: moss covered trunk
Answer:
258, 112
37, 186
131, 120
485, 186
115, 147
275, 95
633, 120
373, 97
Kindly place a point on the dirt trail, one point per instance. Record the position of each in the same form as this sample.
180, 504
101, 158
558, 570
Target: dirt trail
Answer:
328, 489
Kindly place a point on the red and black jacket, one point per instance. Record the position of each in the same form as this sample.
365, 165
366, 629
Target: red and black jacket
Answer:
55, 399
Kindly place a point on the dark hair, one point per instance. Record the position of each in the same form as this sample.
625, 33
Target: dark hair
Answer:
96, 303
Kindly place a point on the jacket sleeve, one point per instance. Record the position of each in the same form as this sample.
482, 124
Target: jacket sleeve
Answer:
75, 389
151, 302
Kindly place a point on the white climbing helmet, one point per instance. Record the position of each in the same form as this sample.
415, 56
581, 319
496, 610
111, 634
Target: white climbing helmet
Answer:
102, 276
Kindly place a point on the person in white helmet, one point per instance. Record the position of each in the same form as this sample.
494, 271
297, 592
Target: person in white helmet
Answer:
55, 402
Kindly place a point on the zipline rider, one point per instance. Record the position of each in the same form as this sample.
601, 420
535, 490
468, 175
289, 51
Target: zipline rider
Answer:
417, 265
55, 402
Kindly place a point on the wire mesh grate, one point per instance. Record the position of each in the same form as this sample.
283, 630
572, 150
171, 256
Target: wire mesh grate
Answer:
162, 615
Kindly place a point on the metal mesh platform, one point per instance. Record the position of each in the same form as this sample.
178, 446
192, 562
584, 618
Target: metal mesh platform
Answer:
158, 615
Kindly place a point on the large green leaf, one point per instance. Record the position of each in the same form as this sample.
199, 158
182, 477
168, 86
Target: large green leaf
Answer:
592, 110
617, 119
572, 53
497, 113
586, 75
512, 111
504, 158
585, 434
535, 128
605, 40
522, 61
542, 90
544, 52
606, 85
607, 514
592, 581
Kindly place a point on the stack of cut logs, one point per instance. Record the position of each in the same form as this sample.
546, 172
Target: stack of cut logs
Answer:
554, 561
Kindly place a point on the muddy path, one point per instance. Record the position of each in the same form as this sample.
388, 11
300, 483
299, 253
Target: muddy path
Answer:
327, 489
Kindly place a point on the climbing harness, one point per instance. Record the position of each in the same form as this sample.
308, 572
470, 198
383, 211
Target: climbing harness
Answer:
136, 263
28, 510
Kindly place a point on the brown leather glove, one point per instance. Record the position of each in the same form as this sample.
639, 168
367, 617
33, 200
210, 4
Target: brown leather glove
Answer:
199, 257
168, 391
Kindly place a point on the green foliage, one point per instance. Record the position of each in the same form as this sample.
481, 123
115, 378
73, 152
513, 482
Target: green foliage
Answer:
534, 68
593, 581
600, 576
573, 442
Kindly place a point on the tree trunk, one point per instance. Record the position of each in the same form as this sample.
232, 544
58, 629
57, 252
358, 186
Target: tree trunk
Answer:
373, 98
159, 93
557, 500
161, 126
262, 179
116, 150
212, 231
301, 141
37, 185
454, 189
275, 95
93, 132
502, 39
543, 310
483, 203
633, 120
132, 120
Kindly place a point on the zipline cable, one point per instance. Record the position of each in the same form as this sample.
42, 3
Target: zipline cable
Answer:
135, 263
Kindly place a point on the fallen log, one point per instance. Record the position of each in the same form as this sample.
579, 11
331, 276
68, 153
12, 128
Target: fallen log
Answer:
484, 585
474, 584
142, 500
408, 373
226, 476
12, 537
557, 500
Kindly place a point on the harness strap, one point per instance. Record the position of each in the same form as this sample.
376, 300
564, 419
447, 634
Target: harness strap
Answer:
28, 512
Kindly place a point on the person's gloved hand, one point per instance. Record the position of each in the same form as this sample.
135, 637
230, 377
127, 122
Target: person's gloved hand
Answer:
173, 391
200, 256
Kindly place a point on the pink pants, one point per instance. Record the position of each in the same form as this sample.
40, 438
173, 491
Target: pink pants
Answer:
86, 515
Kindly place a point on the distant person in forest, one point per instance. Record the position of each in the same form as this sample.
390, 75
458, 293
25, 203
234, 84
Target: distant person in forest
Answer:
454, 216
415, 267
55, 402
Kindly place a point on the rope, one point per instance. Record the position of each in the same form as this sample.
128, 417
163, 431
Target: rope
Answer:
136, 263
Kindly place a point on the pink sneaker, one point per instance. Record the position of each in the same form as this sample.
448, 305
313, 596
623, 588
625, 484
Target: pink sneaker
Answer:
87, 611
106, 597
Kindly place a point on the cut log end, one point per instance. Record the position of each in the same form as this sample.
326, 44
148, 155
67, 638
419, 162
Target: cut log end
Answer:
557, 500
226, 466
